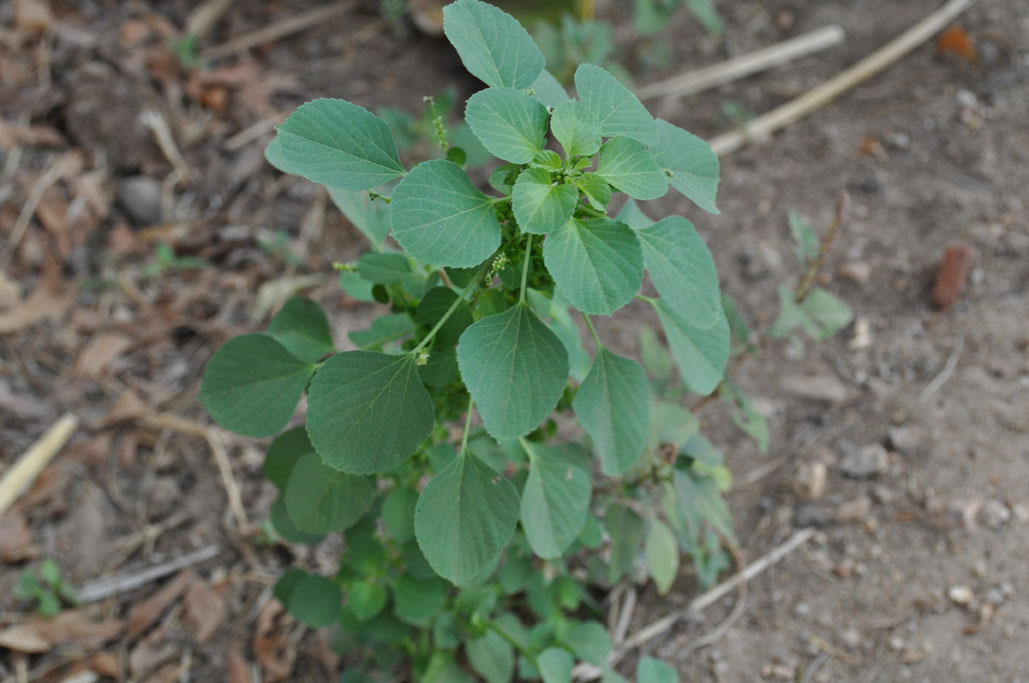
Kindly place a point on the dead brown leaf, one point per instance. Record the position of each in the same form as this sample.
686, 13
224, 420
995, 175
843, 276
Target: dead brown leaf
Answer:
98, 355
149, 654
236, 667
49, 300
67, 628
955, 40
33, 16
146, 613
16, 538
129, 406
204, 611
50, 482
271, 647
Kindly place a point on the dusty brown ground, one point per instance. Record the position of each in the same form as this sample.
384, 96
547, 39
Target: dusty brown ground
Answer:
934, 153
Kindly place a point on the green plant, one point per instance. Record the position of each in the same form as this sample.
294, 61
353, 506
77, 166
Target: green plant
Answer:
166, 261
48, 589
470, 548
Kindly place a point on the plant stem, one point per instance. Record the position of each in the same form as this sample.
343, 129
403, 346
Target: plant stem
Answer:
590, 211
527, 447
467, 424
525, 267
515, 644
593, 331
474, 284
823, 249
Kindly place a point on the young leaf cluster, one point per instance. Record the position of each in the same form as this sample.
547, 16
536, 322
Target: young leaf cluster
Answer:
452, 541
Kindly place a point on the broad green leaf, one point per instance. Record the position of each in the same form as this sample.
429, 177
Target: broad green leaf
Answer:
613, 406
301, 327
597, 264
314, 600
655, 671
548, 160
702, 451
398, 513
662, 552
493, 46
575, 129
491, 656
339, 144
548, 90
655, 357
509, 123
283, 454
700, 352
596, 189
446, 635
632, 215
682, 269
384, 329
368, 411
252, 385
443, 668
369, 216
515, 368
434, 305
440, 217
563, 326
701, 502
356, 287
383, 268
556, 665
284, 526
464, 518
629, 166
273, 155
589, 641
830, 313
790, 316
541, 205
612, 676
555, 499
691, 164
613, 106
366, 599
320, 499
417, 601
625, 528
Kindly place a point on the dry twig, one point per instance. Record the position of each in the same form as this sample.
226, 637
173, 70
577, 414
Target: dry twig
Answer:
280, 29
23, 472
733, 69
585, 672
763, 126
124, 582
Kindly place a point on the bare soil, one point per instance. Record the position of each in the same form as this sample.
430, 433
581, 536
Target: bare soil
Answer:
934, 153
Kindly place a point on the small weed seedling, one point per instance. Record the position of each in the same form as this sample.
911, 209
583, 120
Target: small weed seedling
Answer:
469, 549
48, 589
166, 261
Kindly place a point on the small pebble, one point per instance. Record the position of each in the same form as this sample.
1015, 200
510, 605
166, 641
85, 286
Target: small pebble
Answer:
809, 481
960, 595
854, 510
868, 462
141, 197
994, 514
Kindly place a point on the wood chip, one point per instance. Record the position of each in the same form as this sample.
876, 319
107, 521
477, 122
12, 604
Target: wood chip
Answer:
99, 354
67, 628
204, 611
146, 613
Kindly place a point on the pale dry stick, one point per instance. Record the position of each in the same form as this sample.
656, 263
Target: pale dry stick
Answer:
203, 18
586, 672
108, 586
624, 617
766, 124
707, 77
948, 370
33, 461
281, 29
221, 458
253, 132
153, 120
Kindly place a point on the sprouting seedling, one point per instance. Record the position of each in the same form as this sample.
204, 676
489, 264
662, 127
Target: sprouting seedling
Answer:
47, 589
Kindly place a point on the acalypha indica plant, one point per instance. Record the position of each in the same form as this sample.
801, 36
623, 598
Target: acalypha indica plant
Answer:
443, 447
